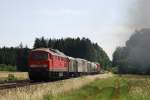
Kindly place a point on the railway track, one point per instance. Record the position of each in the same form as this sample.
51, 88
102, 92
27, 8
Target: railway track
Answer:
15, 84
22, 83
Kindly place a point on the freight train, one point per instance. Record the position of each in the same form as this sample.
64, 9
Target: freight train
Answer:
47, 63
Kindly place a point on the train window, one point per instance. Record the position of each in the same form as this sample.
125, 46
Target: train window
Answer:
39, 55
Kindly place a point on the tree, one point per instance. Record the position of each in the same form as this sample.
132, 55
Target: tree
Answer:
22, 59
37, 43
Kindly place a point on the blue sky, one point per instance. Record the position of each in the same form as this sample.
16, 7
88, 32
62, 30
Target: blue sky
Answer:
103, 21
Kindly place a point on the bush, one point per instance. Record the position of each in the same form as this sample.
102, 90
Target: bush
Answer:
11, 77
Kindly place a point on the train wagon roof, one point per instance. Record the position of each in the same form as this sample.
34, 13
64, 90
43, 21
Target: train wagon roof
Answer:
51, 51
71, 58
80, 59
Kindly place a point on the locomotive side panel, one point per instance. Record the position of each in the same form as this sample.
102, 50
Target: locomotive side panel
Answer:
60, 64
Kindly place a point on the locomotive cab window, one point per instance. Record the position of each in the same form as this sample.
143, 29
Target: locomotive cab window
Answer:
38, 56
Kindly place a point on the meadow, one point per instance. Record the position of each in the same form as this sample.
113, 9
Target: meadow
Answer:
42, 91
94, 87
125, 87
9, 72
10, 68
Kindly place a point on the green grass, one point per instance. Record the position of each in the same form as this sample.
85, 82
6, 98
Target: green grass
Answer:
4, 67
126, 87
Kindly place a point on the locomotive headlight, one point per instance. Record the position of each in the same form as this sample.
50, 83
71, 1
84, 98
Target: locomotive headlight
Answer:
32, 65
44, 65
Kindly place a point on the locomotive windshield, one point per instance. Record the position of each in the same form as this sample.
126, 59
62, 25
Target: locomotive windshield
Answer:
39, 56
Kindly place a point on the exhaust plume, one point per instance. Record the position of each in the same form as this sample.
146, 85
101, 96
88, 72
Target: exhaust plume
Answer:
139, 14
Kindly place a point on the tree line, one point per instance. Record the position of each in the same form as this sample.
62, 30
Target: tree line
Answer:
15, 57
134, 58
74, 47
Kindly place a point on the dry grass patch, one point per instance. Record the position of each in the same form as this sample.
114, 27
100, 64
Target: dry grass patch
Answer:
18, 75
37, 92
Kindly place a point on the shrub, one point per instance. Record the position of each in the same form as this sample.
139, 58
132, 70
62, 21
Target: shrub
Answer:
11, 77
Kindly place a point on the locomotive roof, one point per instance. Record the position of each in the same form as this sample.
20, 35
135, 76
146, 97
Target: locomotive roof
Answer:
81, 59
51, 51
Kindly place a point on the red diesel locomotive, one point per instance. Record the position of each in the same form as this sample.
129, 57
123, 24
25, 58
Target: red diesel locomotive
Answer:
46, 63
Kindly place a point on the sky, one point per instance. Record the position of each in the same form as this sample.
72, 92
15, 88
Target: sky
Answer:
102, 21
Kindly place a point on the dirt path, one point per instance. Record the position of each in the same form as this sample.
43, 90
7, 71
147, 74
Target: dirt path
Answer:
117, 90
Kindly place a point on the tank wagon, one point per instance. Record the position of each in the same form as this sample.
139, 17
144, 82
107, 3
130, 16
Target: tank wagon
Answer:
46, 63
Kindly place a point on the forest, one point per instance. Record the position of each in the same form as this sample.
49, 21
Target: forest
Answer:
17, 57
